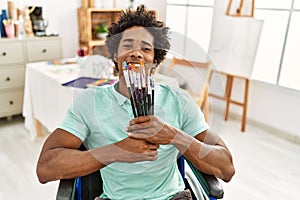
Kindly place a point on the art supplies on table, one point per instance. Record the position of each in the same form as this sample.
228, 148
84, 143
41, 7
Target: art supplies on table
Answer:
85, 82
62, 61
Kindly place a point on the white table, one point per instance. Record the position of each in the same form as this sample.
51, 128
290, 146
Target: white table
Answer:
46, 100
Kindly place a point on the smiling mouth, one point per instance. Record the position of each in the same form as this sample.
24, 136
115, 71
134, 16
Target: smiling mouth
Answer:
136, 63
141, 63
133, 63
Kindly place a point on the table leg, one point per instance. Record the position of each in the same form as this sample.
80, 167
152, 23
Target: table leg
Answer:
39, 128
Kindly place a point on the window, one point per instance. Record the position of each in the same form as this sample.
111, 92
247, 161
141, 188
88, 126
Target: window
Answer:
276, 60
199, 18
289, 76
297, 4
271, 43
177, 26
190, 22
276, 57
273, 4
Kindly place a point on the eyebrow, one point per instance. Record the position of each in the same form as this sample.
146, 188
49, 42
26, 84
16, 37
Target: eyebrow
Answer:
147, 43
143, 42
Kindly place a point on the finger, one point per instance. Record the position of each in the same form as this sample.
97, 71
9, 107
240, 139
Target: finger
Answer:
138, 120
153, 146
136, 127
142, 131
138, 135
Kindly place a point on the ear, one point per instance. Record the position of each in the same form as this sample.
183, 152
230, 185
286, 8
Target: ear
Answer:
155, 64
115, 57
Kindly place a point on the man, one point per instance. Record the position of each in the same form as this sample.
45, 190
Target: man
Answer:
136, 156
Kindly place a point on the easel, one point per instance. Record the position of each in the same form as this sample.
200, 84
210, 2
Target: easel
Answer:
239, 10
227, 95
230, 77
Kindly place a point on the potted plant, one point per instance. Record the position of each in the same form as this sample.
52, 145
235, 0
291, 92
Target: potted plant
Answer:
101, 31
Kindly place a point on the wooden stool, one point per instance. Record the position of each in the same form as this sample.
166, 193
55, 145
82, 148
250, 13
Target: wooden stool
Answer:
229, 100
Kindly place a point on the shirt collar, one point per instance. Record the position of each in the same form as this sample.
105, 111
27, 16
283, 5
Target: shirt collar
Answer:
119, 97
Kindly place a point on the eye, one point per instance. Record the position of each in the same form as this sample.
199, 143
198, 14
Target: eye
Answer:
146, 49
127, 46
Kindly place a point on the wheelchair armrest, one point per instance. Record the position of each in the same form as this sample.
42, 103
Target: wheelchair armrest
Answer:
90, 186
65, 189
216, 189
210, 183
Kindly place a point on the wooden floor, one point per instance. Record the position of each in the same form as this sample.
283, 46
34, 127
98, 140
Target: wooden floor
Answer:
267, 167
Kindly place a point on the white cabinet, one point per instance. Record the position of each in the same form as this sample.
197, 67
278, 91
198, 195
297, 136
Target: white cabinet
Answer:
12, 77
11, 51
14, 54
43, 49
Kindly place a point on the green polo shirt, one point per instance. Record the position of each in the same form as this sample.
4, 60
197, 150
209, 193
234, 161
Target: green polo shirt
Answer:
99, 116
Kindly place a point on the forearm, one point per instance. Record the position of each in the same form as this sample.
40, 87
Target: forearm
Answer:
63, 163
211, 159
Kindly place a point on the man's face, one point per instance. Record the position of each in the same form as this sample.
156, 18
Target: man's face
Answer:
136, 44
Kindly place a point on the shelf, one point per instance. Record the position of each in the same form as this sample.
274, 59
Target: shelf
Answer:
96, 42
89, 19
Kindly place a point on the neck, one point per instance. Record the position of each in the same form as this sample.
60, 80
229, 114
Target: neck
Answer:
121, 88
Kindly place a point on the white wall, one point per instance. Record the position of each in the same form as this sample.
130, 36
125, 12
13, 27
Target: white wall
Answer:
276, 107
270, 107
62, 16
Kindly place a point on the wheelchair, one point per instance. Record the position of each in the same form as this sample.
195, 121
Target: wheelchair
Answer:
202, 186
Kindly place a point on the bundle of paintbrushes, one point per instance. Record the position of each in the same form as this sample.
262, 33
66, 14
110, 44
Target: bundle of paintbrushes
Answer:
140, 85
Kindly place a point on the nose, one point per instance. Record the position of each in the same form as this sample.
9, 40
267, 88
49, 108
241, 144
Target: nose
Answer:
136, 54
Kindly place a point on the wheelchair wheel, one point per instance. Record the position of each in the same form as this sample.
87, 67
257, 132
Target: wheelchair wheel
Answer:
194, 184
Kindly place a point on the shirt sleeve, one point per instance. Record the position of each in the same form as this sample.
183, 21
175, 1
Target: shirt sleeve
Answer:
193, 121
75, 119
